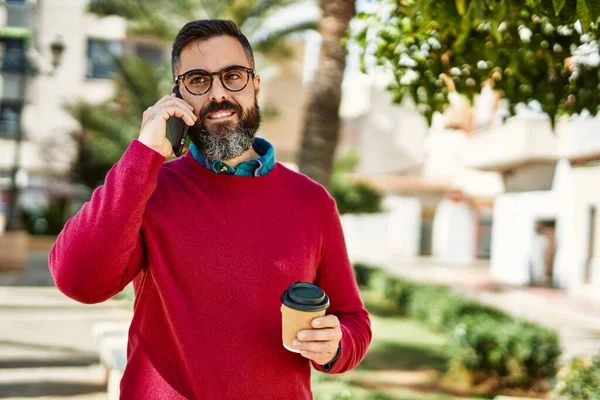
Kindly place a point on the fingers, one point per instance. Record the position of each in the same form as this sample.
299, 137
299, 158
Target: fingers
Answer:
169, 106
168, 149
171, 99
320, 352
320, 335
319, 358
328, 321
317, 347
169, 110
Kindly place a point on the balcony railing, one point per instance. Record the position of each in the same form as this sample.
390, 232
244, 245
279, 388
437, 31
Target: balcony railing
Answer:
519, 141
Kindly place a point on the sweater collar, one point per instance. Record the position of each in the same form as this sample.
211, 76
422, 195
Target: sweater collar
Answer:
259, 167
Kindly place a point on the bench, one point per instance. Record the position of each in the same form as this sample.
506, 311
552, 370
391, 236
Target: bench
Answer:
112, 344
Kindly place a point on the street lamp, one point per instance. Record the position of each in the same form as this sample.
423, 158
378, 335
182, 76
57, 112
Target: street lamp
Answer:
57, 48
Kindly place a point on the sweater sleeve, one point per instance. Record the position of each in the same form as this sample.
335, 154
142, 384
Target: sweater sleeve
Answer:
101, 248
336, 277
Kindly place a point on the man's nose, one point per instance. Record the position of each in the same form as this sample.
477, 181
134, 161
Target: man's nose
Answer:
217, 91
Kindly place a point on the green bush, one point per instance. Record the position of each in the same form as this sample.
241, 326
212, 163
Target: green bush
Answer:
356, 198
441, 309
352, 197
483, 341
515, 353
434, 306
378, 281
363, 273
49, 220
580, 379
400, 291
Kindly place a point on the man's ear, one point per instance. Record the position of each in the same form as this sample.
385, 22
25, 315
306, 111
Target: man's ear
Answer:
257, 85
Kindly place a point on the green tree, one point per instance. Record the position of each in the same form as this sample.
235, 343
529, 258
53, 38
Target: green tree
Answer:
528, 50
106, 129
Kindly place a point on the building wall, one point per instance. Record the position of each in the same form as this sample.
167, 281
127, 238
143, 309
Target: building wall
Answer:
533, 176
47, 123
516, 246
393, 235
283, 90
513, 233
454, 233
579, 193
47, 149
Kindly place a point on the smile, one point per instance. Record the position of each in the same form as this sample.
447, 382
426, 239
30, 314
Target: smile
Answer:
220, 115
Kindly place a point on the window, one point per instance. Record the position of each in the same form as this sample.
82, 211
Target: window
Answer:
152, 54
13, 55
10, 114
101, 58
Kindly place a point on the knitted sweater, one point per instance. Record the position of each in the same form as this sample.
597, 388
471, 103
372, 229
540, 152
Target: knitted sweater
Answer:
209, 256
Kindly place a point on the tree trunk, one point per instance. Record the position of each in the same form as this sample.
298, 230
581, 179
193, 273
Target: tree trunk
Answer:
322, 123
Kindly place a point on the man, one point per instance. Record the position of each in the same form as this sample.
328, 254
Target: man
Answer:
211, 240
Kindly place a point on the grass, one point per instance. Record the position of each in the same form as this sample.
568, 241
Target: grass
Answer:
405, 362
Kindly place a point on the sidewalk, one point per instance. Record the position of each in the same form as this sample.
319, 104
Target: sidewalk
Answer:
46, 342
576, 321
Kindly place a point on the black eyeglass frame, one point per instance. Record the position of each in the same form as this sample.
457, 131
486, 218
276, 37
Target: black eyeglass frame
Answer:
250, 71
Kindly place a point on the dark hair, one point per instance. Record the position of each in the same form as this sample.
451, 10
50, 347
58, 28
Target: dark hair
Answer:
205, 29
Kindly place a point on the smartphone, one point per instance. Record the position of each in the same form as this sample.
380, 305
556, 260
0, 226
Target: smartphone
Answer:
177, 129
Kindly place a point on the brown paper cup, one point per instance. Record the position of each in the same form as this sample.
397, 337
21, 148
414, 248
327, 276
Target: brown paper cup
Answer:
294, 321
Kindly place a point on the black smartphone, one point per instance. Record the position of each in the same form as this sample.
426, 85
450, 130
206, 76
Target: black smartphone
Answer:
177, 129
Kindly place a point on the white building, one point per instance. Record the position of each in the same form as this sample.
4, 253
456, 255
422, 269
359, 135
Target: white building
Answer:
544, 229
85, 72
436, 206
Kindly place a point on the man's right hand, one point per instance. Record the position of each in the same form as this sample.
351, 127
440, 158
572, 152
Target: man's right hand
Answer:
153, 132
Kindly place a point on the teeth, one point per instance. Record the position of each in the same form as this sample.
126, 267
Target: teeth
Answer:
221, 114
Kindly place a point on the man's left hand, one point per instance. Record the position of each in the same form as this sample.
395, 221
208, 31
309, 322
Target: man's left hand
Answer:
321, 343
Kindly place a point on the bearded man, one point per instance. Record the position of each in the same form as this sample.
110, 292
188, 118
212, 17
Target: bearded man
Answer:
211, 240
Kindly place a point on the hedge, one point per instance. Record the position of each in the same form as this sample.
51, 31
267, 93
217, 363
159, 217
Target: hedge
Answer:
483, 341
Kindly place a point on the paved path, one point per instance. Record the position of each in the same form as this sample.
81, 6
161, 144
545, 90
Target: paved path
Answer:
576, 321
46, 345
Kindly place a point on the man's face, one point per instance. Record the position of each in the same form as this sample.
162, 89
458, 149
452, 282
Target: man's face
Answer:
227, 121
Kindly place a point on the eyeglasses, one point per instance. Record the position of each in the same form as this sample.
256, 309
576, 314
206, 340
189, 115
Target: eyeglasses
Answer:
199, 81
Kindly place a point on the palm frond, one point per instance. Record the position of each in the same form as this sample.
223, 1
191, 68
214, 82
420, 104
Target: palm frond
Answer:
274, 42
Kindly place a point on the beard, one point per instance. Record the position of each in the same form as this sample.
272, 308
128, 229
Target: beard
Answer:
225, 140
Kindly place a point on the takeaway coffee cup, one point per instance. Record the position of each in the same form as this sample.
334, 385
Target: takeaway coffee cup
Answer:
300, 304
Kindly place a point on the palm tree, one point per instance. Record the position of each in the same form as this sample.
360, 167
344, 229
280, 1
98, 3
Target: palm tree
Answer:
108, 128
322, 122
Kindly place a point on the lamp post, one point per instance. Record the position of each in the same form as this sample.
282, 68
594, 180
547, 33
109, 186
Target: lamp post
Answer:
57, 47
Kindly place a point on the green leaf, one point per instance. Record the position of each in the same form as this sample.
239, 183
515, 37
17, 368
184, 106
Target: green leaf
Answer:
583, 14
593, 9
461, 7
478, 9
558, 5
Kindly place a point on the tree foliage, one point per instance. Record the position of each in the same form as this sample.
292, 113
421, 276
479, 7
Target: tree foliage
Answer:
162, 19
528, 50
109, 127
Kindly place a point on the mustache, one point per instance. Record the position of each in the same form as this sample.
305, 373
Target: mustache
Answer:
221, 106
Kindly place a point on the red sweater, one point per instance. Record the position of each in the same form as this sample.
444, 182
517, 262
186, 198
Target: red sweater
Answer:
210, 255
